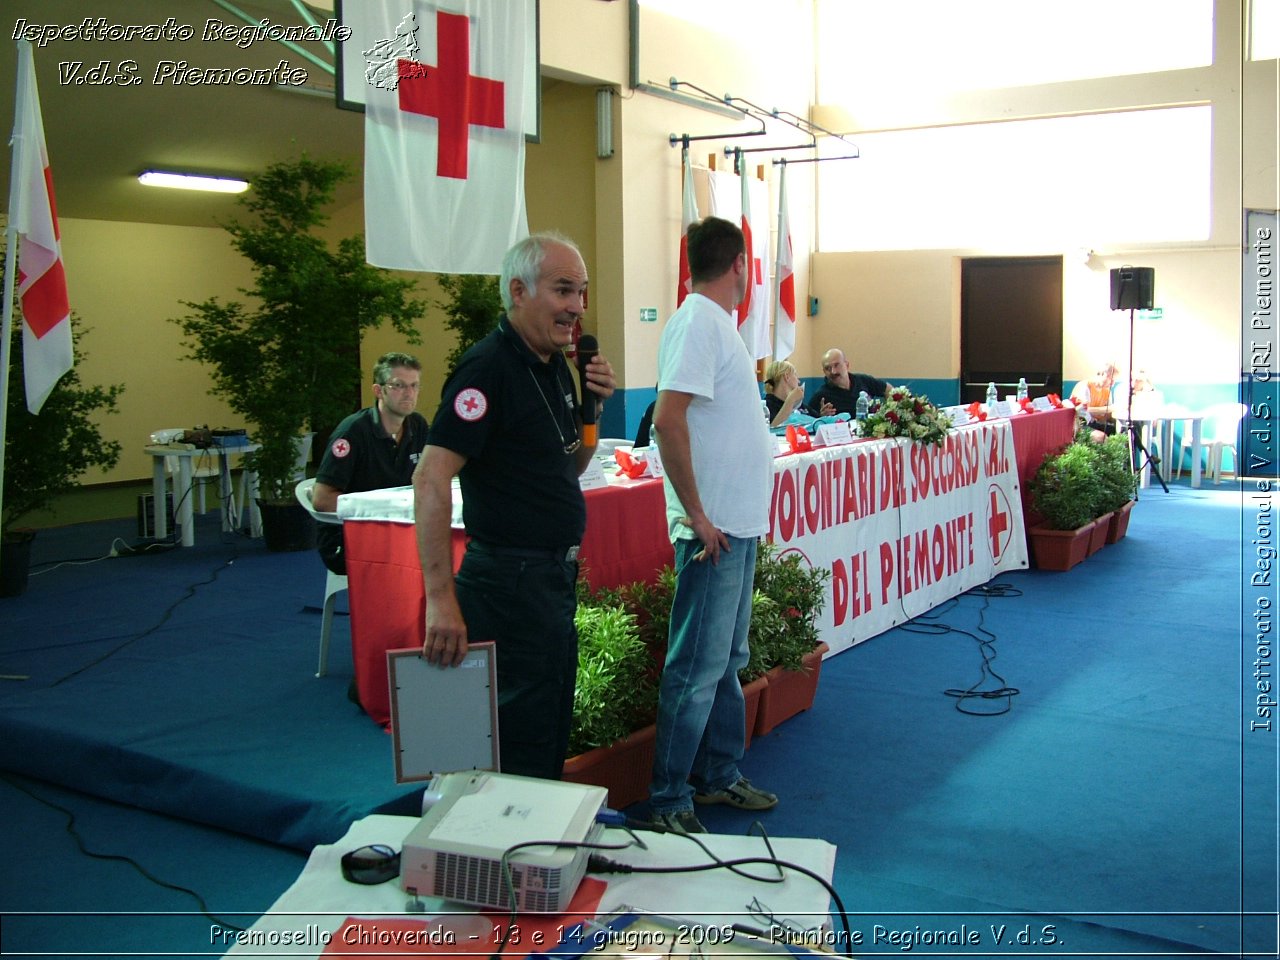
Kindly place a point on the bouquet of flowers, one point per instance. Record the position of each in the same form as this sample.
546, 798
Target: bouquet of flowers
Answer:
903, 414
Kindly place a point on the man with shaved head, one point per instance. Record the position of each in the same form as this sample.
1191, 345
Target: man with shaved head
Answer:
840, 388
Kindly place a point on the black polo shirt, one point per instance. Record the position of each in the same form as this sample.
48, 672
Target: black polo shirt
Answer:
845, 401
362, 456
511, 416
774, 406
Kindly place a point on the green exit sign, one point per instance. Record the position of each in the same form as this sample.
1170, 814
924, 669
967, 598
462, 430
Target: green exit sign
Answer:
1156, 313
648, 314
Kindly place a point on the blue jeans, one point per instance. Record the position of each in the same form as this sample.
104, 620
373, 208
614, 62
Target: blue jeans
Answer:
701, 716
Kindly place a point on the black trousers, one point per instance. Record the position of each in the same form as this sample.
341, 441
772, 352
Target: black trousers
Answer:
526, 606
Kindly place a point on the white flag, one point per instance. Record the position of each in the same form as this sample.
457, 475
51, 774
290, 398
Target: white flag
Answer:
784, 314
727, 192
688, 214
42, 282
444, 132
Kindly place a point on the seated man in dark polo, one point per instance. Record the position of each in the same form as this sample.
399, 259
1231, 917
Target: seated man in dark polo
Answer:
839, 391
374, 448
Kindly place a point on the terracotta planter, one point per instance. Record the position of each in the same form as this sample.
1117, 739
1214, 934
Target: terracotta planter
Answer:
1120, 522
1098, 533
625, 767
1059, 549
789, 691
751, 694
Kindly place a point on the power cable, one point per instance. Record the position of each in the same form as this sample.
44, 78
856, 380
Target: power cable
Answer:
118, 857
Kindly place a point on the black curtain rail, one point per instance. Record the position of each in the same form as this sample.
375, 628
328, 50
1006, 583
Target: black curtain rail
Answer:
814, 159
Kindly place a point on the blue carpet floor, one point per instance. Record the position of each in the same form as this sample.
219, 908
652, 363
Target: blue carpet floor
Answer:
1115, 804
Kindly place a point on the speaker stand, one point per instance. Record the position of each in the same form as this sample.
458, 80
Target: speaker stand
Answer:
1140, 458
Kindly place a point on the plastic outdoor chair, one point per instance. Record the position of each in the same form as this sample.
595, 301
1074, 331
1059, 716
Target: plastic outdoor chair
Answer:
334, 583
1218, 436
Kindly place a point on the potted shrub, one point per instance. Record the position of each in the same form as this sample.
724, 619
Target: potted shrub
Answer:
788, 597
1067, 493
289, 362
615, 702
622, 642
1118, 482
45, 455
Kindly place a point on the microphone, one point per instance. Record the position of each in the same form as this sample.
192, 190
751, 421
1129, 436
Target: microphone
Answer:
587, 348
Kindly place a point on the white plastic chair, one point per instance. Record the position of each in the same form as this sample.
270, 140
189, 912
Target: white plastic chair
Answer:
334, 583
1221, 426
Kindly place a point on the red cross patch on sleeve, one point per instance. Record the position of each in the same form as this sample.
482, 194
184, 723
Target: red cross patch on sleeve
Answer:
470, 404
341, 447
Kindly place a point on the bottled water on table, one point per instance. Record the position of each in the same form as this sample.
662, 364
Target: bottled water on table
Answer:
862, 407
1022, 388
992, 396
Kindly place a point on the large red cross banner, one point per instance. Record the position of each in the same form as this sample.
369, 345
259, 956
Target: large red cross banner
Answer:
901, 526
444, 132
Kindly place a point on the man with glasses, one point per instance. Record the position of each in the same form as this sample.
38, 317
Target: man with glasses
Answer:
374, 448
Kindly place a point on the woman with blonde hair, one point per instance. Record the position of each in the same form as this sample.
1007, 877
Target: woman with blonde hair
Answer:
783, 392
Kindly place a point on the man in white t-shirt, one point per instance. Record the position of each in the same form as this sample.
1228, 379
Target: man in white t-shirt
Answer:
717, 463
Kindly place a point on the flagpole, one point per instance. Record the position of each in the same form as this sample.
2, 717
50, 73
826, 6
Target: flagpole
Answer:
11, 252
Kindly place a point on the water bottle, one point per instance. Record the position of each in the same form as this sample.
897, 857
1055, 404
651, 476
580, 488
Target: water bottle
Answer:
653, 436
862, 407
992, 396
1022, 389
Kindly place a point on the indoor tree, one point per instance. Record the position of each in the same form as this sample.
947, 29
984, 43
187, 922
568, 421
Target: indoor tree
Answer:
288, 360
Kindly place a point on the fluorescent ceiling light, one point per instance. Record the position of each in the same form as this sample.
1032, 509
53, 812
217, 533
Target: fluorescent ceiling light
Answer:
188, 181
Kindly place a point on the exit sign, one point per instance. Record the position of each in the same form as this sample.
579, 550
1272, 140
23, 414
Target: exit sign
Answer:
1156, 313
648, 314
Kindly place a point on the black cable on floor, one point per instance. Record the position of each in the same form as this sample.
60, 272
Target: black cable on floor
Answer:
164, 618
1002, 694
118, 857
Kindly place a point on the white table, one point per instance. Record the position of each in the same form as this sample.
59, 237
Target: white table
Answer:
1149, 421
184, 514
320, 900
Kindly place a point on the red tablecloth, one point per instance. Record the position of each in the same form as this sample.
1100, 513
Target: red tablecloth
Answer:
626, 540
1033, 436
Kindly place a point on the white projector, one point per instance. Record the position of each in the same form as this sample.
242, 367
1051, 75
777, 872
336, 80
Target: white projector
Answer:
455, 852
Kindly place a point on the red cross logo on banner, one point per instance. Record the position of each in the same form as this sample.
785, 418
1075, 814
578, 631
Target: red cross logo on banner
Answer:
451, 94
998, 527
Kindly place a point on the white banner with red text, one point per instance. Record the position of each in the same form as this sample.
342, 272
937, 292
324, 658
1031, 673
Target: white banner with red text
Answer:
902, 526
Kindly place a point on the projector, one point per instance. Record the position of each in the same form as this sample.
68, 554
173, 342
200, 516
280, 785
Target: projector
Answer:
455, 852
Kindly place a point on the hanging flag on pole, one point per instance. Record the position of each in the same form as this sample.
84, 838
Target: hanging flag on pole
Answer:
689, 214
744, 308
753, 311
33, 218
784, 314
444, 133
726, 194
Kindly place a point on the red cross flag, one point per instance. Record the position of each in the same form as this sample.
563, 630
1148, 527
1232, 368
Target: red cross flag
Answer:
42, 283
746, 200
444, 133
689, 214
784, 314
